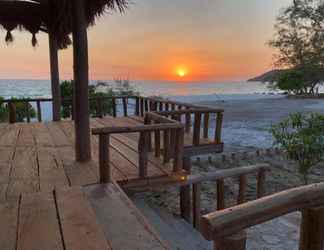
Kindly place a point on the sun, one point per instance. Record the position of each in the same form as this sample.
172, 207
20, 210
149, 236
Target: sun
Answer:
181, 72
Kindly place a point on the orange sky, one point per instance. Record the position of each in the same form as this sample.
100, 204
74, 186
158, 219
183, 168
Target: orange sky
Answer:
214, 40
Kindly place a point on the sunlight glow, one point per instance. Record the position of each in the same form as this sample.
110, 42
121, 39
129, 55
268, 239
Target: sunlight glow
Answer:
182, 72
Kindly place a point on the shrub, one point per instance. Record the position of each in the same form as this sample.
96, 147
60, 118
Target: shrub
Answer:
302, 137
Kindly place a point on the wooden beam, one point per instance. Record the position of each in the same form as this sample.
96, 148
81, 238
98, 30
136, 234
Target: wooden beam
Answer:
81, 79
55, 77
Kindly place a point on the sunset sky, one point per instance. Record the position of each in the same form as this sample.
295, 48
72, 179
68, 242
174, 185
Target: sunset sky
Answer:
192, 40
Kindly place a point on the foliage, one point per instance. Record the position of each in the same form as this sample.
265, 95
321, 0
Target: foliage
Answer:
3, 111
302, 137
299, 40
94, 96
23, 110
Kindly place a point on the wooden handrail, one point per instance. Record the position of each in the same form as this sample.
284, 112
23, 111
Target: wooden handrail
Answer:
220, 224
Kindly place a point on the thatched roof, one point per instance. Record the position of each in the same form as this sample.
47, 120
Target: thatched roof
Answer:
50, 15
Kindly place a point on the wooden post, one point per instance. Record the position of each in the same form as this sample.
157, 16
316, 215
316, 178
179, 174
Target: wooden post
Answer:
178, 152
185, 201
142, 107
196, 206
81, 79
234, 242
99, 104
104, 166
55, 77
125, 106
157, 143
114, 108
206, 125
39, 111
137, 106
242, 189
196, 132
146, 106
312, 229
218, 129
12, 112
166, 146
143, 154
27, 111
261, 183
188, 123
220, 195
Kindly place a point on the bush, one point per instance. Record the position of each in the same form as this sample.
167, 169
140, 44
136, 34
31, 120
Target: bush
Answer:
302, 137
3, 111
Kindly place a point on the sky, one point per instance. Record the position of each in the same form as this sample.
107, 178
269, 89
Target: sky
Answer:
185, 40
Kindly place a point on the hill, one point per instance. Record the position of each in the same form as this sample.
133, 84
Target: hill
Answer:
269, 76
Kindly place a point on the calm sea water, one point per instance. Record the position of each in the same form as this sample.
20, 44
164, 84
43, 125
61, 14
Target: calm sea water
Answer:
188, 92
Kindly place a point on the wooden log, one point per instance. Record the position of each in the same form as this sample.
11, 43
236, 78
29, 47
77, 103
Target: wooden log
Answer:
81, 79
206, 125
196, 206
143, 154
137, 106
125, 106
185, 200
218, 128
312, 229
179, 148
261, 188
39, 111
234, 242
220, 194
242, 189
104, 164
12, 112
114, 108
196, 132
55, 77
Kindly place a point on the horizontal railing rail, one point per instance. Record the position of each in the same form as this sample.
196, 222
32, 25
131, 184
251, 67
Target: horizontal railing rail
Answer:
144, 144
224, 226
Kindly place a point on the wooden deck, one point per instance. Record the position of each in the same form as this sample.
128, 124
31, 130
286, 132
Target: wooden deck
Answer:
95, 217
40, 157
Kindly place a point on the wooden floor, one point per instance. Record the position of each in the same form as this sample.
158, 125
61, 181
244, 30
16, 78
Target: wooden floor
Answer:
40, 157
96, 217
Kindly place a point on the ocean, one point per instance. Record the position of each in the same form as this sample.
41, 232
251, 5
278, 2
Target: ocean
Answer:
181, 91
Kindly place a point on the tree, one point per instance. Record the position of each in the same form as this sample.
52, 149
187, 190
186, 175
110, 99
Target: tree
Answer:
299, 40
302, 137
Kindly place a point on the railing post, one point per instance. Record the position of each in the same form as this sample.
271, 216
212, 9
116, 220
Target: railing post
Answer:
220, 194
188, 122
218, 128
143, 154
206, 125
178, 152
125, 106
137, 106
146, 106
234, 242
114, 108
12, 112
196, 132
142, 107
312, 229
185, 202
157, 143
27, 111
39, 111
196, 206
242, 189
166, 146
261, 183
99, 107
104, 165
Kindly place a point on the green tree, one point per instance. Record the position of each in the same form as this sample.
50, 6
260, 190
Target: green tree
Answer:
3, 111
299, 41
302, 137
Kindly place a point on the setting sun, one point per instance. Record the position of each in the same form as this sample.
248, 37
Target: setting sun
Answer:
182, 72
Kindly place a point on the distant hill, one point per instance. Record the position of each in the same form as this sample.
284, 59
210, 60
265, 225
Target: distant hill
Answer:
269, 76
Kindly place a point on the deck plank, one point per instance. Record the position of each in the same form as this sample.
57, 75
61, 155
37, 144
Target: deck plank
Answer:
59, 137
9, 137
123, 225
26, 138
8, 222
80, 228
42, 135
38, 224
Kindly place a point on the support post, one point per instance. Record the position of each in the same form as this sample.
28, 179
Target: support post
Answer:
55, 78
312, 229
234, 242
104, 166
81, 79
185, 201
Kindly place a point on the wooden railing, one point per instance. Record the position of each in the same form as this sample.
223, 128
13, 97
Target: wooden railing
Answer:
161, 125
226, 227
